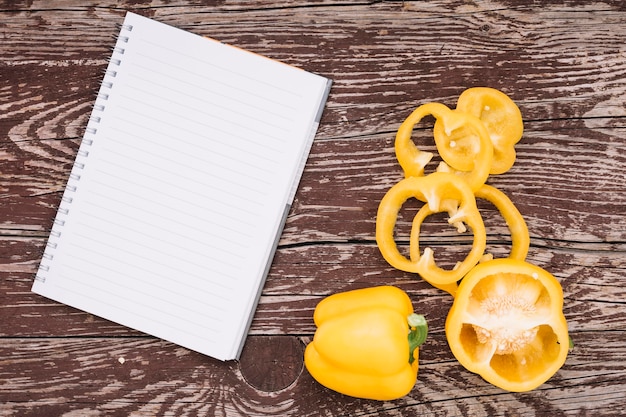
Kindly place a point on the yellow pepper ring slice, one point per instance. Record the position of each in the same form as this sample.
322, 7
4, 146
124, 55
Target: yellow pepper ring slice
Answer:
520, 238
451, 206
502, 120
413, 161
432, 270
507, 324
436, 190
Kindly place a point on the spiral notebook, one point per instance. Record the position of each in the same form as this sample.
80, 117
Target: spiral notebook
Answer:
181, 186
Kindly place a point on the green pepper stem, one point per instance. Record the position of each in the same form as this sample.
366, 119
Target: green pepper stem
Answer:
418, 332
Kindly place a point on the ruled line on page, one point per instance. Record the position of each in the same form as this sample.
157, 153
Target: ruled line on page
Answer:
230, 189
149, 252
192, 173
242, 198
227, 71
136, 296
197, 333
212, 242
163, 281
254, 138
187, 279
157, 260
253, 113
205, 147
267, 98
187, 155
229, 218
260, 160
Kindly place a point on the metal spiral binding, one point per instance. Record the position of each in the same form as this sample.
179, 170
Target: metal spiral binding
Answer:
89, 138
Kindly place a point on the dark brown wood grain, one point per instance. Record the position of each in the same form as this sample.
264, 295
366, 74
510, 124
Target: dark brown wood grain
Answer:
564, 64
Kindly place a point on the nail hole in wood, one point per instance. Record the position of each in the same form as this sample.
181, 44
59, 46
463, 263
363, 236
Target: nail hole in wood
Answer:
271, 363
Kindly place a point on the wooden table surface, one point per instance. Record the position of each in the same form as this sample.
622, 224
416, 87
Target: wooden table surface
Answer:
564, 64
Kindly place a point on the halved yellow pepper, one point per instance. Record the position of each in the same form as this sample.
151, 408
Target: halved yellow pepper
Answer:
507, 324
500, 116
479, 160
441, 191
366, 343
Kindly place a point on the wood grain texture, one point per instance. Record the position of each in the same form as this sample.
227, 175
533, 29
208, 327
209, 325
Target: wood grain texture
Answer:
563, 62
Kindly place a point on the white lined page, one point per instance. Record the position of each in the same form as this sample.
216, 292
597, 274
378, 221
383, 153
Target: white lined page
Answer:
180, 187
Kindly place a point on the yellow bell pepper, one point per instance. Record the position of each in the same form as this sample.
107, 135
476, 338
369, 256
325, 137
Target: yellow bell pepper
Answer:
366, 343
442, 192
500, 116
479, 159
507, 324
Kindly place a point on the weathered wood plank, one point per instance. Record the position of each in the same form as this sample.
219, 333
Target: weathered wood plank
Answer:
138, 376
593, 284
452, 44
560, 183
